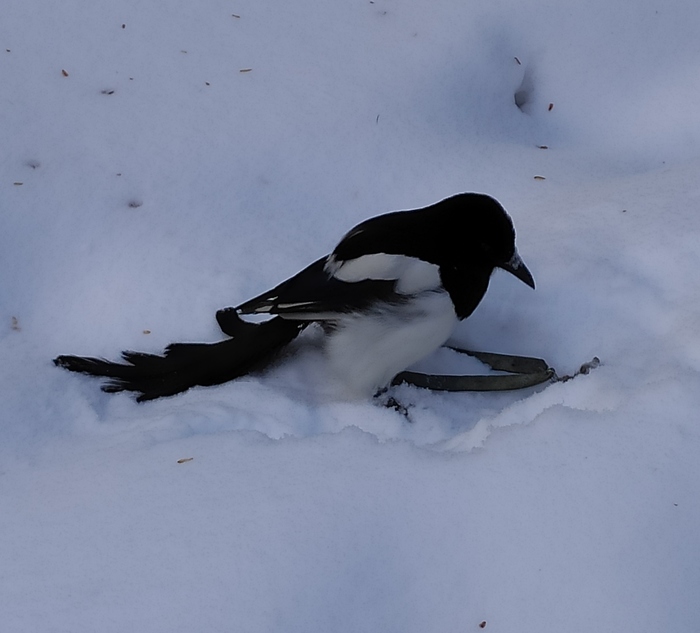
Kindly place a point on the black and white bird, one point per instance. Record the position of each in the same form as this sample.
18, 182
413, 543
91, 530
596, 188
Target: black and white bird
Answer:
391, 292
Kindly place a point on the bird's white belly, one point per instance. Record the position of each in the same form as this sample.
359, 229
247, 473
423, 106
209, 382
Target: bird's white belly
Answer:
367, 350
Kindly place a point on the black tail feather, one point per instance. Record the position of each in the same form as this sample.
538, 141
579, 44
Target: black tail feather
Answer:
185, 365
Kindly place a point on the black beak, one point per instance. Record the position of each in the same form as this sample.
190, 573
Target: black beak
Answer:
516, 266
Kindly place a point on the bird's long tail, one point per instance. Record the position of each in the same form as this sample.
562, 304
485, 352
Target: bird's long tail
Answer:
184, 365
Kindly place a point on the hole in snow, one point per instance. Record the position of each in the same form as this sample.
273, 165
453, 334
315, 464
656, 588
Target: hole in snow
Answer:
522, 97
524, 94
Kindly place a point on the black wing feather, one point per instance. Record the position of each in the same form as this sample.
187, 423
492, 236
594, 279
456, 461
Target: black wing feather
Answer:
313, 291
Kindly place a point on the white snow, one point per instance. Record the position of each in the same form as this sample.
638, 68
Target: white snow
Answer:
162, 160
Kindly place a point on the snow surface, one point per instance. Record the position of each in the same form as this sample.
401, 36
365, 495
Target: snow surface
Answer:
162, 160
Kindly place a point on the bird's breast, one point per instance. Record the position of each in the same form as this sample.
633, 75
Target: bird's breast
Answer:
365, 351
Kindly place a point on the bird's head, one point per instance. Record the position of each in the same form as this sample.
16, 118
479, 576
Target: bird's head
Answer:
482, 234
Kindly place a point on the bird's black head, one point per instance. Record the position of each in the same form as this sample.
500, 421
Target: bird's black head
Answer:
468, 236
479, 234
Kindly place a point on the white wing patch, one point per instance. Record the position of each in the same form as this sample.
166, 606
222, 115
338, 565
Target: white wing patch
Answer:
418, 276
412, 275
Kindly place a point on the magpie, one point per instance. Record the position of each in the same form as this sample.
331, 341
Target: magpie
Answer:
391, 292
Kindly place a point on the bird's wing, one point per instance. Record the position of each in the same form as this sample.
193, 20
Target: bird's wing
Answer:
330, 287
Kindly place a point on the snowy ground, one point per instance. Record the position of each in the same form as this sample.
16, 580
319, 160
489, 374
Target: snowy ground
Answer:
162, 160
